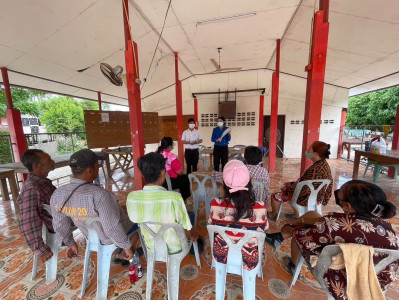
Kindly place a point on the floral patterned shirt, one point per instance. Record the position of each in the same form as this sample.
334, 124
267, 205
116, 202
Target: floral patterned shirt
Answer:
348, 228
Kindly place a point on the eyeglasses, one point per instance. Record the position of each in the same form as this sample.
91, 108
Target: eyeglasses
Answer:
337, 200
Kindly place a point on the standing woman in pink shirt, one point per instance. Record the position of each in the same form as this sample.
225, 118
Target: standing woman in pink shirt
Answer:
173, 167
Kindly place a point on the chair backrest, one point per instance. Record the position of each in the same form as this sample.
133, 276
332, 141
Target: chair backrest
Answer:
259, 187
200, 194
160, 247
312, 200
263, 149
325, 259
168, 182
93, 239
234, 258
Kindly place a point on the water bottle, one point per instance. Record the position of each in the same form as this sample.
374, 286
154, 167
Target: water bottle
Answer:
132, 271
136, 262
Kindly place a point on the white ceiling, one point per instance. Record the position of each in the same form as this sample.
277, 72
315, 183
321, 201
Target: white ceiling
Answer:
53, 39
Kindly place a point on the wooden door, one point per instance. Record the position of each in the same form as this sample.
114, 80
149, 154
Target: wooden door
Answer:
168, 126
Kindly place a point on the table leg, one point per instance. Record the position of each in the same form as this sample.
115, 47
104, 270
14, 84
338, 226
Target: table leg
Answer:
14, 193
356, 165
349, 152
4, 189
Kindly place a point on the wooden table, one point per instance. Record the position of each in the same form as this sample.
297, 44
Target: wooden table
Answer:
18, 167
390, 158
8, 174
232, 152
123, 160
347, 144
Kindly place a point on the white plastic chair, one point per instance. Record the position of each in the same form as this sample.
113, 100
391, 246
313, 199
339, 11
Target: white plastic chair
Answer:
234, 260
104, 254
201, 193
203, 158
325, 259
261, 186
169, 183
312, 200
161, 253
51, 264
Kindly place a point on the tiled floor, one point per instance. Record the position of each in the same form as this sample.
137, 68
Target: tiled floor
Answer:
195, 283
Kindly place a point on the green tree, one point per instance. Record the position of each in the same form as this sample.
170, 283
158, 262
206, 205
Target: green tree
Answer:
5, 149
24, 100
378, 108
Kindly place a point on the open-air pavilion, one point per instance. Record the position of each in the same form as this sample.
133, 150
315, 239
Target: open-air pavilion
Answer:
297, 61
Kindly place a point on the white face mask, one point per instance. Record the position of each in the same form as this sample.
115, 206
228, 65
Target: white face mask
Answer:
191, 126
220, 124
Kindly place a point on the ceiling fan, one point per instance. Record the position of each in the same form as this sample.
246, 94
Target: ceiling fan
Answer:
218, 66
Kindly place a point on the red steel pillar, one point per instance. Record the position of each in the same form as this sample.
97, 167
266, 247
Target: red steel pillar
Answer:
260, 133
315, 82
274, 112
18, 140
341, 131
196, 113
134, 97
179, 111
99, 101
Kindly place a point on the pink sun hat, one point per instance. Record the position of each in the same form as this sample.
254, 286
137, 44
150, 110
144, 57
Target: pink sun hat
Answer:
236, 176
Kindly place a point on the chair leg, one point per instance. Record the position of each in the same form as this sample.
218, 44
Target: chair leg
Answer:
85, 269
51, 264
173, 274
35, 264
297, 271
365, 171
221, 270
150, 274
395, 167
249, 280
377, 171
103, 266
197, 257
196, 206
279, 210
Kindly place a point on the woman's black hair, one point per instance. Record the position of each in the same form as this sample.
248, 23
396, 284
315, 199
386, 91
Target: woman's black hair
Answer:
242, 200
190, 120
223, 119
368, 199
253, 155
165, 143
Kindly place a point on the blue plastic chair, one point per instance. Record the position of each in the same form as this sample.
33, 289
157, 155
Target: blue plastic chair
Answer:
101, 165
201, 193
234, 263
161, 253
169, 183
264, 152
51, 264
104, 254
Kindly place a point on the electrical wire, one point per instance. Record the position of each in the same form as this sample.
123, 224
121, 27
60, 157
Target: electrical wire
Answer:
156, 47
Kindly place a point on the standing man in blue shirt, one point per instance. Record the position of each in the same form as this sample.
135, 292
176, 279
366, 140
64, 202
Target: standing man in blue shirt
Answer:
221, 137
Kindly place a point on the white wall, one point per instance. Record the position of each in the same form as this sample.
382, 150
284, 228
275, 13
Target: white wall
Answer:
291, 104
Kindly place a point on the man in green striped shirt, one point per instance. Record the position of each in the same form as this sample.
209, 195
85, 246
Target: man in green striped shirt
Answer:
155, 204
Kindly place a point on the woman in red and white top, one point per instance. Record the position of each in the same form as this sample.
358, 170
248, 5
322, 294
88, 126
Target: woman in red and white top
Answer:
238, 209
173, 167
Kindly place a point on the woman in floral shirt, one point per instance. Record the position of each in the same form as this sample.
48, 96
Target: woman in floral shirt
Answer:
365, 207
238, 209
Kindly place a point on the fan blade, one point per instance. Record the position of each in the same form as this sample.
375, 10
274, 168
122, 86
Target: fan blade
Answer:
108, 72
215, 64
118, 70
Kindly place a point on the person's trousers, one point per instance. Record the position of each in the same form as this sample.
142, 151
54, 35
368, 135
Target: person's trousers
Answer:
182, 183
191, 156
220, 154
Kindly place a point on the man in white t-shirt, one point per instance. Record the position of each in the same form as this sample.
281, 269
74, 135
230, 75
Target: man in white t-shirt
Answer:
191, 139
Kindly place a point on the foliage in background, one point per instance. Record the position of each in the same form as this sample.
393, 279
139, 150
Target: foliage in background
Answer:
62, 114
378, 108
5, 151
24, 100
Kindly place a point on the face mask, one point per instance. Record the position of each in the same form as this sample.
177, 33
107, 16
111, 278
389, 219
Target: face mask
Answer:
220, 124
191, 126
308, 155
